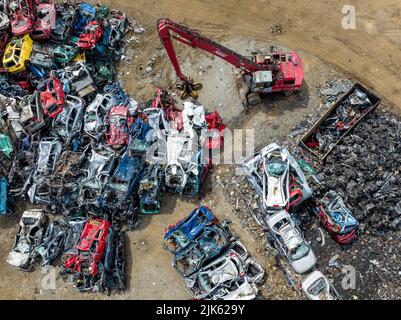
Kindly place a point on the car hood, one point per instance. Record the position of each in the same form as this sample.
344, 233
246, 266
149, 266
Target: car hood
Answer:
304, 264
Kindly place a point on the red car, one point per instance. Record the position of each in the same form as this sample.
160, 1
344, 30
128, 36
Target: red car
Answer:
53, 98
22, 16
89, 248
91, 35
45, 21
216, 130
119, 124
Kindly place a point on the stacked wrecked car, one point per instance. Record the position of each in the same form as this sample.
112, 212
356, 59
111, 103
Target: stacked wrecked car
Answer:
215, 265
74, 143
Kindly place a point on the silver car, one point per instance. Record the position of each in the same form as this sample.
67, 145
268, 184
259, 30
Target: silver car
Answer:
96, 113
223, 272
31, 227
290, 242
317, 287
69, 121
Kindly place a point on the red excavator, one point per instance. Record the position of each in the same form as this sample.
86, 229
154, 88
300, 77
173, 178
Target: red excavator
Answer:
262, 73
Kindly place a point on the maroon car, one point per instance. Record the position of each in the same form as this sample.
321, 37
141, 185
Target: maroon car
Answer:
22, 16
45, 21
119, 124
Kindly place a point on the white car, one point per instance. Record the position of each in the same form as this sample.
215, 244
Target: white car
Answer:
277, 178
290, 242
223, 272
31, 228
317, 287
241, 289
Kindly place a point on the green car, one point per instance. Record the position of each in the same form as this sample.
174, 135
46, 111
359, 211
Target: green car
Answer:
5, 145
65, 53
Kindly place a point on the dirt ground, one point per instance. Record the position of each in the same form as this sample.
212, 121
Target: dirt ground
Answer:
369, 54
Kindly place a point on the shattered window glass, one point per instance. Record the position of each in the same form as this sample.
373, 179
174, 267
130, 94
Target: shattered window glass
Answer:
276, 169
299, 252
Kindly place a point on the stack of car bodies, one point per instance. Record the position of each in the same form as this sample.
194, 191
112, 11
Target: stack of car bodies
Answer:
278, 179
214, 264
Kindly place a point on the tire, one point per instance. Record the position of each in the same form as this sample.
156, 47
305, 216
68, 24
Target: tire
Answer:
287, 93
254, 99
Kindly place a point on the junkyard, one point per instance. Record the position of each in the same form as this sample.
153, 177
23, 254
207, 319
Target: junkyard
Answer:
218, 150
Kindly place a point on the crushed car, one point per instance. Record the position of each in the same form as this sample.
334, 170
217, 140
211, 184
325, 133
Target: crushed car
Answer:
45, 21
86, 262
31, 228
289, 241
68, 123
317, 287
336, 218
52, 98
22, 16
17, 53
277, 178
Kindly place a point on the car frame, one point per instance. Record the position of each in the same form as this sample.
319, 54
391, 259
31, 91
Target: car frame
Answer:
96, 112
314, 284
68, 123
22, 16
53, 97
17, 53
289, 241
213, 241
45, 21
31, 228
336, 218
182, 233
277, 177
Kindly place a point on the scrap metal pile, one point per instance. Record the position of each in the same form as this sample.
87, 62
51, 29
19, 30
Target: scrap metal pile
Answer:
214, 263
282, 184
72, 141
365, 170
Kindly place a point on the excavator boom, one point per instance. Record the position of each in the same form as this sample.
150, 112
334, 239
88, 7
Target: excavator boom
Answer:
194, 39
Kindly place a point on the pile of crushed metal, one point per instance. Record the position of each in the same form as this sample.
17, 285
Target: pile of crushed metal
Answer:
364, 170
361, 172
213, 262
75, 143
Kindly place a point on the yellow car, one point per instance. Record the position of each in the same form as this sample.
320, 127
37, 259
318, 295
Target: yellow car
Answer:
17, 53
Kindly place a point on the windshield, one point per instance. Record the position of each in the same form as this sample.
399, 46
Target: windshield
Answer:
317, 287
276, 168
299, 252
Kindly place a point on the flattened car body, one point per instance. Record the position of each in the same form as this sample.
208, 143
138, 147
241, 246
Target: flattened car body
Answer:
96, 112
90, 248
180, 235
45, 21
336, 217
277, 178
69, 122
17, 53
31, 228
290, 242
213, 240
22, 17
317, 287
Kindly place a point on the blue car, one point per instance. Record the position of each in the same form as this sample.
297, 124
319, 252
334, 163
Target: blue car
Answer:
213, 241
180, 235
4, 210
336, 218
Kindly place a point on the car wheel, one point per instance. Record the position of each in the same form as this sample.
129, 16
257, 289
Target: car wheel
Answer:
254, 99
